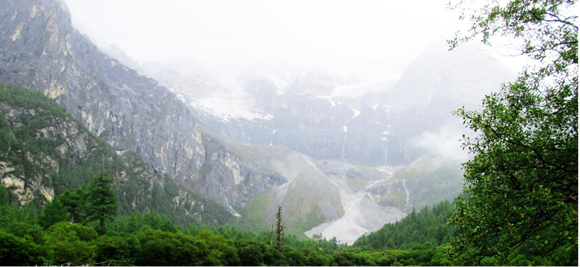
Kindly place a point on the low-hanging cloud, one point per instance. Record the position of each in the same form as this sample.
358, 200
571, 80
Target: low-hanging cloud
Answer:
263, 34
445, 144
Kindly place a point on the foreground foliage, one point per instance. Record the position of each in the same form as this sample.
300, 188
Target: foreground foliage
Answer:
523, 180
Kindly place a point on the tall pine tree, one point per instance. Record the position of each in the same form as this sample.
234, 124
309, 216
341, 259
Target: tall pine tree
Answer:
279, 230
101, 200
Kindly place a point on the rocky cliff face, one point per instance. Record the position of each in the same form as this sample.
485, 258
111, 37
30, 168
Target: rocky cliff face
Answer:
40, 49
230, 175
46, 152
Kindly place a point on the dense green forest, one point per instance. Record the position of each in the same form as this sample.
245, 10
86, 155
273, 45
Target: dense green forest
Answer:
426, 228
29, 236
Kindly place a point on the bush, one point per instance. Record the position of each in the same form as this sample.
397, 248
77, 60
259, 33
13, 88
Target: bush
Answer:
16, 250
117, 249
70, 244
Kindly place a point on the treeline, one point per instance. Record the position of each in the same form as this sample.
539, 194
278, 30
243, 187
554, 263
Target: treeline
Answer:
426, 228
29, 236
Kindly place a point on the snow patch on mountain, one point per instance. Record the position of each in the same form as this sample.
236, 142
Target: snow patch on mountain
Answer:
227, 108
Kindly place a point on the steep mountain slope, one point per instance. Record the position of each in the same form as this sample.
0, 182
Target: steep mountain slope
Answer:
46, 152
308, 197
40, 49
424, 182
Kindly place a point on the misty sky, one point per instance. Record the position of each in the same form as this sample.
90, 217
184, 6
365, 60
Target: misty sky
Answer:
267, 34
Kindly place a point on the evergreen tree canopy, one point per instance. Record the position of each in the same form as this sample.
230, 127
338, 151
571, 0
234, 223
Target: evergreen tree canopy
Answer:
74, 202
101, 200
279, 230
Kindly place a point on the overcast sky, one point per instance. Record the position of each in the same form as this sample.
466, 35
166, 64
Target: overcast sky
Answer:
267, 34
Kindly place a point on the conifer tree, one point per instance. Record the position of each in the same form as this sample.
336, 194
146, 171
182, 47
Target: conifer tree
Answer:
101, 200
74, 202
272, 236
52, 213
279, 230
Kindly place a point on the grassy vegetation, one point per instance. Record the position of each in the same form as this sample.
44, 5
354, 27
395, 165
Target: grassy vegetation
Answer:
253, 216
